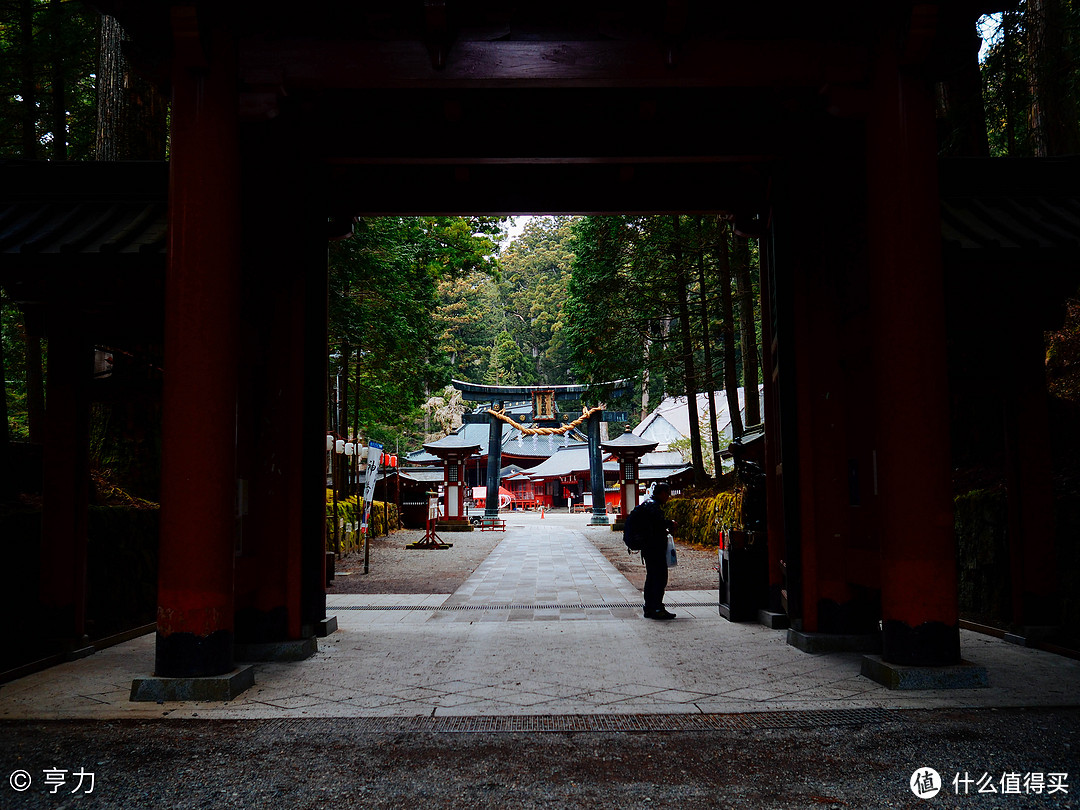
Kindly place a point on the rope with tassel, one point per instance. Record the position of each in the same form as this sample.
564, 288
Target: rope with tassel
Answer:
546, 431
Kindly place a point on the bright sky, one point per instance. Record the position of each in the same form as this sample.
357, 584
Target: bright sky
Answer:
516, 226
988, 29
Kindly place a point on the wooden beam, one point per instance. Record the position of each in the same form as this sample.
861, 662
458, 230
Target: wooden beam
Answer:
316, 63
364, 190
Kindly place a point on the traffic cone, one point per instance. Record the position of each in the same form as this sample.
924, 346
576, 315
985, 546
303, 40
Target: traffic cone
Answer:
541, 511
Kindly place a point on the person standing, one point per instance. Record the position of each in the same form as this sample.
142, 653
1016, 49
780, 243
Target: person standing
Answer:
652, 527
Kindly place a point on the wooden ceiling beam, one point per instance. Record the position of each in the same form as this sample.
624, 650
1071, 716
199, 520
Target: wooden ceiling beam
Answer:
342, 64
365, 190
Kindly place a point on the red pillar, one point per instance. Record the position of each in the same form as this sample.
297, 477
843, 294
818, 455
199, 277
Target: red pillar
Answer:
912, 454
199, 486
281, 249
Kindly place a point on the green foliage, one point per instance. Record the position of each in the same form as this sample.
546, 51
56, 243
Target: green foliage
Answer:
700, 519
382, 520
535, 274
58, 57
1023, 69
508, 364
383, 297
1063, 355
622, 307
14, 354
469, 317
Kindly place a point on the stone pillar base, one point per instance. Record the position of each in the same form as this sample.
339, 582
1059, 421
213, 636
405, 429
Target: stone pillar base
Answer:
213, 688
326, 627
453, 526
833, 642
288, 650
964, 675
774, 621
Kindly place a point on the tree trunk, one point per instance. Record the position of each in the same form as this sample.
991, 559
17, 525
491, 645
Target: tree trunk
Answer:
1009, 20
710, 384
744, 288
27, 80
1054, 126
131, 113
962, 104
647, 351
689, 374
59, 87
731, 377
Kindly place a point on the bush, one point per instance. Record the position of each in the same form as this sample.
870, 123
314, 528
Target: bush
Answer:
700, 519
350, 513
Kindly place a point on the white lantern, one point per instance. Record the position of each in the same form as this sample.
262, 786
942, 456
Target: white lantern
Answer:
364, 453
350, 448
339, 446
329, 442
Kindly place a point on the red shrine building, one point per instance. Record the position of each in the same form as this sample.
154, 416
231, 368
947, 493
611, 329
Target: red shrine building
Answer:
289, 121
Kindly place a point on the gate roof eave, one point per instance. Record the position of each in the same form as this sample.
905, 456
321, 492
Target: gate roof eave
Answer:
475, 392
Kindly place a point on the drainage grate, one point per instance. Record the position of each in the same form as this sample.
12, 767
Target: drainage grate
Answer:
752, 721
579, 606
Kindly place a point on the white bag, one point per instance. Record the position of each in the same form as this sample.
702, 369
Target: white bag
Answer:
672, 557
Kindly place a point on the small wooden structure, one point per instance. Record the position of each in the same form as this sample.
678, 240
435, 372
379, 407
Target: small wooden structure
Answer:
431, 539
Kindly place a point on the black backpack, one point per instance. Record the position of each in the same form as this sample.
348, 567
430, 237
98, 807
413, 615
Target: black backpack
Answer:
630, 533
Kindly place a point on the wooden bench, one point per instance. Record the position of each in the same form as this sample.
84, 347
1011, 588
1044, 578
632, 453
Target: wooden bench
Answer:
492, 524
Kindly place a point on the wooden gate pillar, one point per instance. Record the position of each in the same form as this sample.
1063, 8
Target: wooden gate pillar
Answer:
912, 462
286, 245
66, 482
199, 486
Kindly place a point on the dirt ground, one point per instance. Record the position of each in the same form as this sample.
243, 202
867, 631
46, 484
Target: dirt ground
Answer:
393, 568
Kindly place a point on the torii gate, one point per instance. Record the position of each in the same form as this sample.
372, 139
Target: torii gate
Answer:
545, 418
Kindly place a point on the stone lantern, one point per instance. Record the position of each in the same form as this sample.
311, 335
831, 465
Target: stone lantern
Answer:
628, 449
454, 453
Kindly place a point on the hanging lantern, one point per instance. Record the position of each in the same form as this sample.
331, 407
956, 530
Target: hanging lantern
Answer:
339, 446
350, 449
329, 442
393, 460
364, 452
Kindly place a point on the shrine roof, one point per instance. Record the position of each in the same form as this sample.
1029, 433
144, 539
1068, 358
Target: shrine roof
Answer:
568, 461
454, 443
1011, 209
56, 214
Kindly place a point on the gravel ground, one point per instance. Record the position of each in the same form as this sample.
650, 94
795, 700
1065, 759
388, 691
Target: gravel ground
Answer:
393, 568
303, 764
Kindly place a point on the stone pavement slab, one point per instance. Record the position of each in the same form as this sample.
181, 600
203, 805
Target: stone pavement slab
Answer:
501, 646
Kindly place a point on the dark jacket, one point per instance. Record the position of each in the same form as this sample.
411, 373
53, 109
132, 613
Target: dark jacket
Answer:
652, 527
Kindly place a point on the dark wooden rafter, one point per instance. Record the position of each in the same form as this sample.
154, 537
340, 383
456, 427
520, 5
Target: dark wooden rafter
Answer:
437, 32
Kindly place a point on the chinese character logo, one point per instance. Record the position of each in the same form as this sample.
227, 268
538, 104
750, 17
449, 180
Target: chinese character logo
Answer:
925, 783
